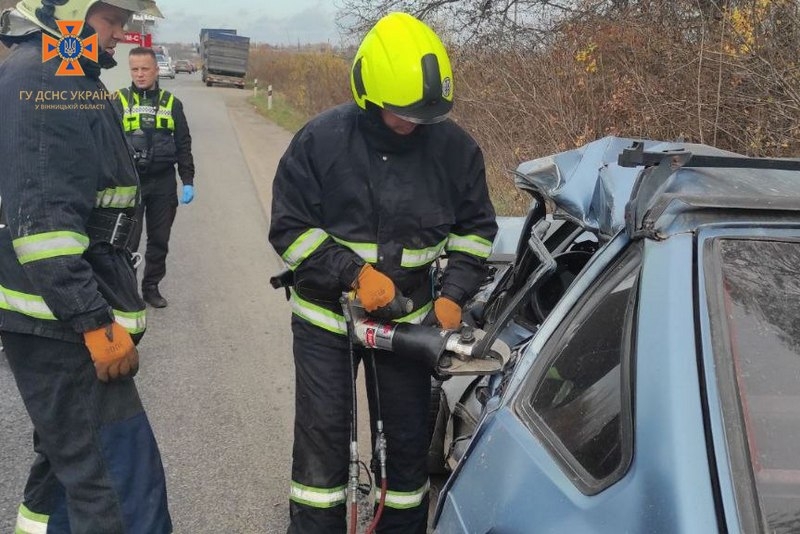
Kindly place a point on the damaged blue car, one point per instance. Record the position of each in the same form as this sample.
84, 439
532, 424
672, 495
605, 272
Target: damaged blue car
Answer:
653, 303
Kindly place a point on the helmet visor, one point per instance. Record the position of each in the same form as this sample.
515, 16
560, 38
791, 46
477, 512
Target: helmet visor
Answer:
423, 112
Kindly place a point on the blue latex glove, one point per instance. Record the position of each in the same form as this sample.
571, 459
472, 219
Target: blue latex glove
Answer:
188, 194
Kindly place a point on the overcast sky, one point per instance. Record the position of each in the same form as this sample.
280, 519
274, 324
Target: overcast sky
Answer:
264, 21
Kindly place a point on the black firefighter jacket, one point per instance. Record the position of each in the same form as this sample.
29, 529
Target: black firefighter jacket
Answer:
348, 190
64, 156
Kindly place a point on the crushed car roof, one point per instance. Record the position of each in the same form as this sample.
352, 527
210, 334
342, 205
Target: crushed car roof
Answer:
590, 187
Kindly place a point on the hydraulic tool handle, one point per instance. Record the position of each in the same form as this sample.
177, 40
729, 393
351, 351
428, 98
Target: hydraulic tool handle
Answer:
398, 307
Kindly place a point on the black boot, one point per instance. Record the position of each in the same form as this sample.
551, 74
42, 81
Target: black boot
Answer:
151, 295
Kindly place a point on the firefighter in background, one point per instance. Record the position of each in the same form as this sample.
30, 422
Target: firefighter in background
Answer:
159, 135
70, 311
366, 197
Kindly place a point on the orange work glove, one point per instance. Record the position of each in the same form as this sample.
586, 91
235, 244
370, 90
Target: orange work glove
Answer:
112, 351
374, 289
448, 313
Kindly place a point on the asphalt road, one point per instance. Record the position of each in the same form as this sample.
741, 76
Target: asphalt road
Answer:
217, 376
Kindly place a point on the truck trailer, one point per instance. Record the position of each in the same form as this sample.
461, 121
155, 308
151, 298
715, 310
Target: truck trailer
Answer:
225, 55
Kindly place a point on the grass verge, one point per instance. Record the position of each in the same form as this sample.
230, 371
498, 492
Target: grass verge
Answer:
281, 113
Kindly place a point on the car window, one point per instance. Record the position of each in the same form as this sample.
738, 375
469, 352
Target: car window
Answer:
756, 336
578, 401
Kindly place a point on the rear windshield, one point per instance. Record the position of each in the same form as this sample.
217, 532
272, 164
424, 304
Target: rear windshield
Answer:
761, 299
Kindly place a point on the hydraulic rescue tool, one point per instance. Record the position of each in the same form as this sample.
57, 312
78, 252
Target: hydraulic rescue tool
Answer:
447, 352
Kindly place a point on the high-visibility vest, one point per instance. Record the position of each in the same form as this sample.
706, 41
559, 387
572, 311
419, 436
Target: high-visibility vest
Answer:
133, 111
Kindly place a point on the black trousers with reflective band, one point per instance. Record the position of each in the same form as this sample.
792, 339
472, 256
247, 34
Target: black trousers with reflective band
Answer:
322, 430
156, 213
97, 467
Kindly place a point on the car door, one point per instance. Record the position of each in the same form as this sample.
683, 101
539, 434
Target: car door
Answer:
546, 457
752, 362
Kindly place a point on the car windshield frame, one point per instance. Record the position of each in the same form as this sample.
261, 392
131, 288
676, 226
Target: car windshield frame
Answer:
740, 428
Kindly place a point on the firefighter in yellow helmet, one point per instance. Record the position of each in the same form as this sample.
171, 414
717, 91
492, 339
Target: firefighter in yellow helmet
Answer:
367, 197
70, 313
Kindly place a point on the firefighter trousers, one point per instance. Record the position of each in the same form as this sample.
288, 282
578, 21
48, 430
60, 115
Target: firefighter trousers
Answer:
97, 467
323, 403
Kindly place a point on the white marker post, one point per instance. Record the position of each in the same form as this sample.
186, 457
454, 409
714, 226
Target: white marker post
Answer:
269, 97
255, 88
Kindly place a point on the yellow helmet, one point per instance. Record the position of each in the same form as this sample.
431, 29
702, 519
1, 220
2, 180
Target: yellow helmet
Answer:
402, 66
44, 13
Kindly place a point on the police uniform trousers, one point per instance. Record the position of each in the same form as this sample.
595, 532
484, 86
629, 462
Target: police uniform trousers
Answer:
157, 211
97, 468
323, 402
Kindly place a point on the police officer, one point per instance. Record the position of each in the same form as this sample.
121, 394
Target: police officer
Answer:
366, 197
159, 135
70, 311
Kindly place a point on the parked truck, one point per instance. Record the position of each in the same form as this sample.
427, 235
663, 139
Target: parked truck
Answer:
224, 55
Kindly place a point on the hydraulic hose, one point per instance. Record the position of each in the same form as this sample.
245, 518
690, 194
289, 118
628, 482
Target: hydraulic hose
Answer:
380, 447
354, 465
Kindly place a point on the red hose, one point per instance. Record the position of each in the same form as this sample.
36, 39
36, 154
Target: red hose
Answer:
353, 518
379, 511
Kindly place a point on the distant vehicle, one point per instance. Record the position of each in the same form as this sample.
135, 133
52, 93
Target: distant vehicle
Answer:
165, 69
225, 55
654, 388
183, 65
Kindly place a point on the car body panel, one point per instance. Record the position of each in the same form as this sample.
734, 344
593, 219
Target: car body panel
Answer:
511, 499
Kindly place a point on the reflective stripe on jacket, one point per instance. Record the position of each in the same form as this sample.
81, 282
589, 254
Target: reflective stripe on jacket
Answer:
58, 166
348, 191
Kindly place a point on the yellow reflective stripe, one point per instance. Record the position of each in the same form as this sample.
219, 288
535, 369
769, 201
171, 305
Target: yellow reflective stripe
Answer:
416, 316
116, 197
30, 522
470, 244
165, 110
419, 257
130, 120
49, 245
317, 315
30, 305
403, 500
303, 247
318, 497
367, 251
133, 322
